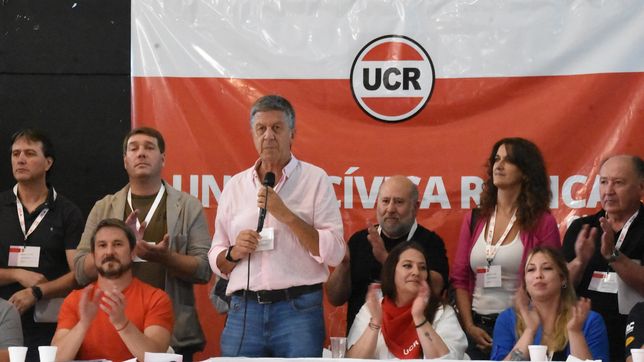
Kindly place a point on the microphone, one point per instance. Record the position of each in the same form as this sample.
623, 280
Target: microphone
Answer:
269, 180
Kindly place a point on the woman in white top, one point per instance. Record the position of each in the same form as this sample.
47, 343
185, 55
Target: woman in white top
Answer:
407, 322
495, 239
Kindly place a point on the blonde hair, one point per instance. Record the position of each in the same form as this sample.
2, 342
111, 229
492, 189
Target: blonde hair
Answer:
567, 299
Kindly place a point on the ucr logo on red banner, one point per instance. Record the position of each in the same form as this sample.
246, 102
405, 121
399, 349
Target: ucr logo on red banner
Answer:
392, 78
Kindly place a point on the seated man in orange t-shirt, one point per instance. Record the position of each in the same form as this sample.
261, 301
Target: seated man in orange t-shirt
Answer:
134, 317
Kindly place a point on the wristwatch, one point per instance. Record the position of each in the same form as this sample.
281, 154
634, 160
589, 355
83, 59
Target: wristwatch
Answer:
613, 256
37, 292
229, 256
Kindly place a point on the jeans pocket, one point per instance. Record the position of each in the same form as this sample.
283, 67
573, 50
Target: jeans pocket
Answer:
307, 302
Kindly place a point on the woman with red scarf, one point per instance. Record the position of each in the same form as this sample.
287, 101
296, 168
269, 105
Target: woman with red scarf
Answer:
408, 322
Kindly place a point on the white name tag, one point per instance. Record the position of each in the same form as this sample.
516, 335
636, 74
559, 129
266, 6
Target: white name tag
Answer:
24, 256
604, 282
489, 277
268, 239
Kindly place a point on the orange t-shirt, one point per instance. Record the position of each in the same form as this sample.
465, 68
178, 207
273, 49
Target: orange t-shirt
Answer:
145, 306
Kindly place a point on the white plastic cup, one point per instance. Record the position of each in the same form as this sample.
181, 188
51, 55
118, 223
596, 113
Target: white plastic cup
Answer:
47, 353
538, 353
338, 347
17, 354
637, 354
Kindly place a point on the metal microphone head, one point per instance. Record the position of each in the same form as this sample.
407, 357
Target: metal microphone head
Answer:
269, 179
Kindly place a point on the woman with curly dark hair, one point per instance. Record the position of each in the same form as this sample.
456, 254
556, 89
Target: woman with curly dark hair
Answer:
513, 219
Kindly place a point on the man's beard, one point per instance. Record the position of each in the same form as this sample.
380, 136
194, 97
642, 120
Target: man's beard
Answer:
113, 273
397, 230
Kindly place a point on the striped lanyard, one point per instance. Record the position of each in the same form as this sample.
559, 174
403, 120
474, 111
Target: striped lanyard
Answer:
21, 215
622, 234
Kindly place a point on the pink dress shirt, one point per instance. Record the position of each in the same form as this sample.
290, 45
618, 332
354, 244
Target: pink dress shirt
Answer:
306, 190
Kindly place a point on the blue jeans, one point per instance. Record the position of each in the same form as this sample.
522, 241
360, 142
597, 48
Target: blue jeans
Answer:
292, 328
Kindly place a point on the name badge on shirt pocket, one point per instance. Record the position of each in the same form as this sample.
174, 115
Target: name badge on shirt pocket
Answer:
24, 256
267, 241
604, 282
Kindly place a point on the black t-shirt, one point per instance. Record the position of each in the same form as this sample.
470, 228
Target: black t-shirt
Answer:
635, 328
365, 269
606, 303
59, 230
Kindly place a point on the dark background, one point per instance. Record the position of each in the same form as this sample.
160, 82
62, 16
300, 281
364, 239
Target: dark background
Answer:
65, 68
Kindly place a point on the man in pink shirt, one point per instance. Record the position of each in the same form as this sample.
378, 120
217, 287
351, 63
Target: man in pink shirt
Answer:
276, 311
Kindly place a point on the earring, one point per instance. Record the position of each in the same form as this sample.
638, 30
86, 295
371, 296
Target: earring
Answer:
564, 285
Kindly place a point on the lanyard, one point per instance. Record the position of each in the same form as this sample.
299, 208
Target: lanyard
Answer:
21, 214
622, 234
414, 226
491, 250
152, 210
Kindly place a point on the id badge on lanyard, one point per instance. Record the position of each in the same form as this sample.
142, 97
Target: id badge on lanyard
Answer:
604, 282
489, 276
23, 255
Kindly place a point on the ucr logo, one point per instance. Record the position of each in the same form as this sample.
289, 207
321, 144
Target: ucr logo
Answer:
392, 78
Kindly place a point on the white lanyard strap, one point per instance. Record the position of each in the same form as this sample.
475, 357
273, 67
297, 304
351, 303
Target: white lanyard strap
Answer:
491, 250
622, 234
414, 226
152, 210
21, 214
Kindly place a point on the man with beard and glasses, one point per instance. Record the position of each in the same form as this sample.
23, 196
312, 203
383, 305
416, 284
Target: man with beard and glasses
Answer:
396, 209
118, 317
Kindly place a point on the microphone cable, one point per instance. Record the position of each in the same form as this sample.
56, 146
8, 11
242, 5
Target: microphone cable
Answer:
267, 183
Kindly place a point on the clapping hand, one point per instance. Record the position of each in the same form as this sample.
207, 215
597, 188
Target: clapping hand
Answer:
153, 252
131, 222
421, 301
88, 304
579, 314
585, 243
608, 237
528, 313
373, 303
377, 244
113, 303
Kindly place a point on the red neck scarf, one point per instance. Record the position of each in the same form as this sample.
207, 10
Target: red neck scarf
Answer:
399, 331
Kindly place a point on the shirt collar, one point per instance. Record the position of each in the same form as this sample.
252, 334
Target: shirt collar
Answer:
287, 170
50, 201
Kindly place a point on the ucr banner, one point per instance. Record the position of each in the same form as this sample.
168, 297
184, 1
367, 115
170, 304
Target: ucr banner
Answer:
421, 89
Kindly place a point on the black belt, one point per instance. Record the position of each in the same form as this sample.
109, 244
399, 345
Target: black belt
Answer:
484, 319
277, 295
